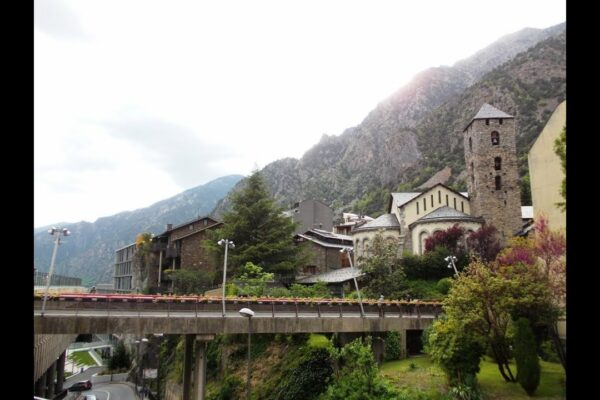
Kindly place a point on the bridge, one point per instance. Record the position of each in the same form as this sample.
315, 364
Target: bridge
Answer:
200, 318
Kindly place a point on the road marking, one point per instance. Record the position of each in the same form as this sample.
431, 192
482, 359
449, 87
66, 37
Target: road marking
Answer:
107, 394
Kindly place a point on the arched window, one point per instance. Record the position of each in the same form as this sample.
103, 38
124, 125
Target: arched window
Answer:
495, 138
498, 182
422, 237
470, 144
497, 163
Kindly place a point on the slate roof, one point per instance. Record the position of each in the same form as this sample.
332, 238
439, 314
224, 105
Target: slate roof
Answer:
330, 235
446, 213
326, 244
404, 197
335, 276
488, 111
385, 221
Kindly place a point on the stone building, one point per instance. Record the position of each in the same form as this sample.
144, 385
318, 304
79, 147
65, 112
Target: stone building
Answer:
311, 214
180, 247
546, 172
493, 178
494, 192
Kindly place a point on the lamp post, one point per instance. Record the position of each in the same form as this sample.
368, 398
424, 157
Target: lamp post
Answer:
451, 260
228, 245
56, 232
348, 252
139, 366
246, 312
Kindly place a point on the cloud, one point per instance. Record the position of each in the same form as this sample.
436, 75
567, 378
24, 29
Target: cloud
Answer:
179, 151
56, 19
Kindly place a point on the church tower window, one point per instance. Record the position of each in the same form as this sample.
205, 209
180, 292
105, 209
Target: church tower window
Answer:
497, 163
498, 182
495, 138
470, 144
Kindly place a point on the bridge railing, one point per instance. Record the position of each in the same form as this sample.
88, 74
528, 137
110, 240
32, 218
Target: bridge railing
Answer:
263, 306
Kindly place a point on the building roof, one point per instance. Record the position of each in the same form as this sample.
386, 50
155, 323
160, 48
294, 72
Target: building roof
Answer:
385, 221
216, 222
329, 235
526, 212
487, 111
124, 247
446, 213
335, 276
322, 238
402, 198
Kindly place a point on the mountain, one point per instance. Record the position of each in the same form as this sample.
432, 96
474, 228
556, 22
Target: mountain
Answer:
90, 250
416, 132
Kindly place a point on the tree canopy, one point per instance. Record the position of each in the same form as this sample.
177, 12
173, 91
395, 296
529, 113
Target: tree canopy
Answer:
261, 233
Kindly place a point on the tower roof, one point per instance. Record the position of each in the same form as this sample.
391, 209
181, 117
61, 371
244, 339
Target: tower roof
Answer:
487, 111
385, 221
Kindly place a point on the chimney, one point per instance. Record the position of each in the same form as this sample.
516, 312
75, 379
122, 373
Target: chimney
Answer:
169, 227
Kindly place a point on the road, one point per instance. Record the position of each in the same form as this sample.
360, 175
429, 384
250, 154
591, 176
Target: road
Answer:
107, 391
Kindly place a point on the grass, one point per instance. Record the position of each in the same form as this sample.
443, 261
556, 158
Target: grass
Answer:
317, 340
82, 358
427, 378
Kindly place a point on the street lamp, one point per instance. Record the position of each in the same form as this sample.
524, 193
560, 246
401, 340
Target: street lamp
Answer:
56, 232
139, 359
228, 245
451, 260
246, 312
348, 251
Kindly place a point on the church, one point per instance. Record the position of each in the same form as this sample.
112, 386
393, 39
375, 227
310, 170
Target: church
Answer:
493, 195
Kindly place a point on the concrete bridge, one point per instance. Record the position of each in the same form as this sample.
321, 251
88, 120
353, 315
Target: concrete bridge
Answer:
200, 319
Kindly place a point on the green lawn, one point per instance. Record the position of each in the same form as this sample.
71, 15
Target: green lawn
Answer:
427, 378
82, 358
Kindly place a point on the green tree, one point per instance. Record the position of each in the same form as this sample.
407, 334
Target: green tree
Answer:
253, 279
358, 378
121, 359
528, 364
392, 346
560, 148
381, 263
456, 349
262, 235
187, 281
143, 245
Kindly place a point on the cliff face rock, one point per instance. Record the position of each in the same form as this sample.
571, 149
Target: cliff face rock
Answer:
417, 131
90, 250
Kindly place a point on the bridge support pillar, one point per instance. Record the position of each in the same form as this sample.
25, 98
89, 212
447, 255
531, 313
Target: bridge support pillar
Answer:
403, 350
40, 386
378, 348
187, 365
50, 374
200, 366
60, 372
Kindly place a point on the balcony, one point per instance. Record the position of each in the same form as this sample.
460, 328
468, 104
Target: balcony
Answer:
156, 247
172, 252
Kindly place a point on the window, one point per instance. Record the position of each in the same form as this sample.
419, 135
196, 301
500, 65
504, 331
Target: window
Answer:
462, 206
500, 121
455, 203
470, 144
495, 138
447, 201
191, 227
487, 121
424, 204
439, 197
498, 163
431, 201
498, 182
312, 269
205, 222
417, 208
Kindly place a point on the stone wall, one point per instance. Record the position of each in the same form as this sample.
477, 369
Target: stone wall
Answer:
502, 207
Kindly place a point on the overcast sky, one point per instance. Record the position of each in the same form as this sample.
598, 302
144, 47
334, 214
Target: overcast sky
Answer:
136, 101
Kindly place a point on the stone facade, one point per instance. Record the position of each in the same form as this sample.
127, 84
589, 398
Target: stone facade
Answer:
493, 179
422, 231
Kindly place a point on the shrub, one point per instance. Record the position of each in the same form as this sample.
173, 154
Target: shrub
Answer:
443, 286
231, 384
120, 359
548, 352
528, 364
392, 346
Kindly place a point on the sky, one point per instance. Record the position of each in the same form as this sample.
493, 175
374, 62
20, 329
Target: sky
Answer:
136, 101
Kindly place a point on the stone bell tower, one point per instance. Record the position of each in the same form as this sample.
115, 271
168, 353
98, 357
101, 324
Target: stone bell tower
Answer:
493, 177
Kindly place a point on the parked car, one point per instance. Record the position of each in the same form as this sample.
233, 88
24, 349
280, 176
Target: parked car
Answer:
81, 386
